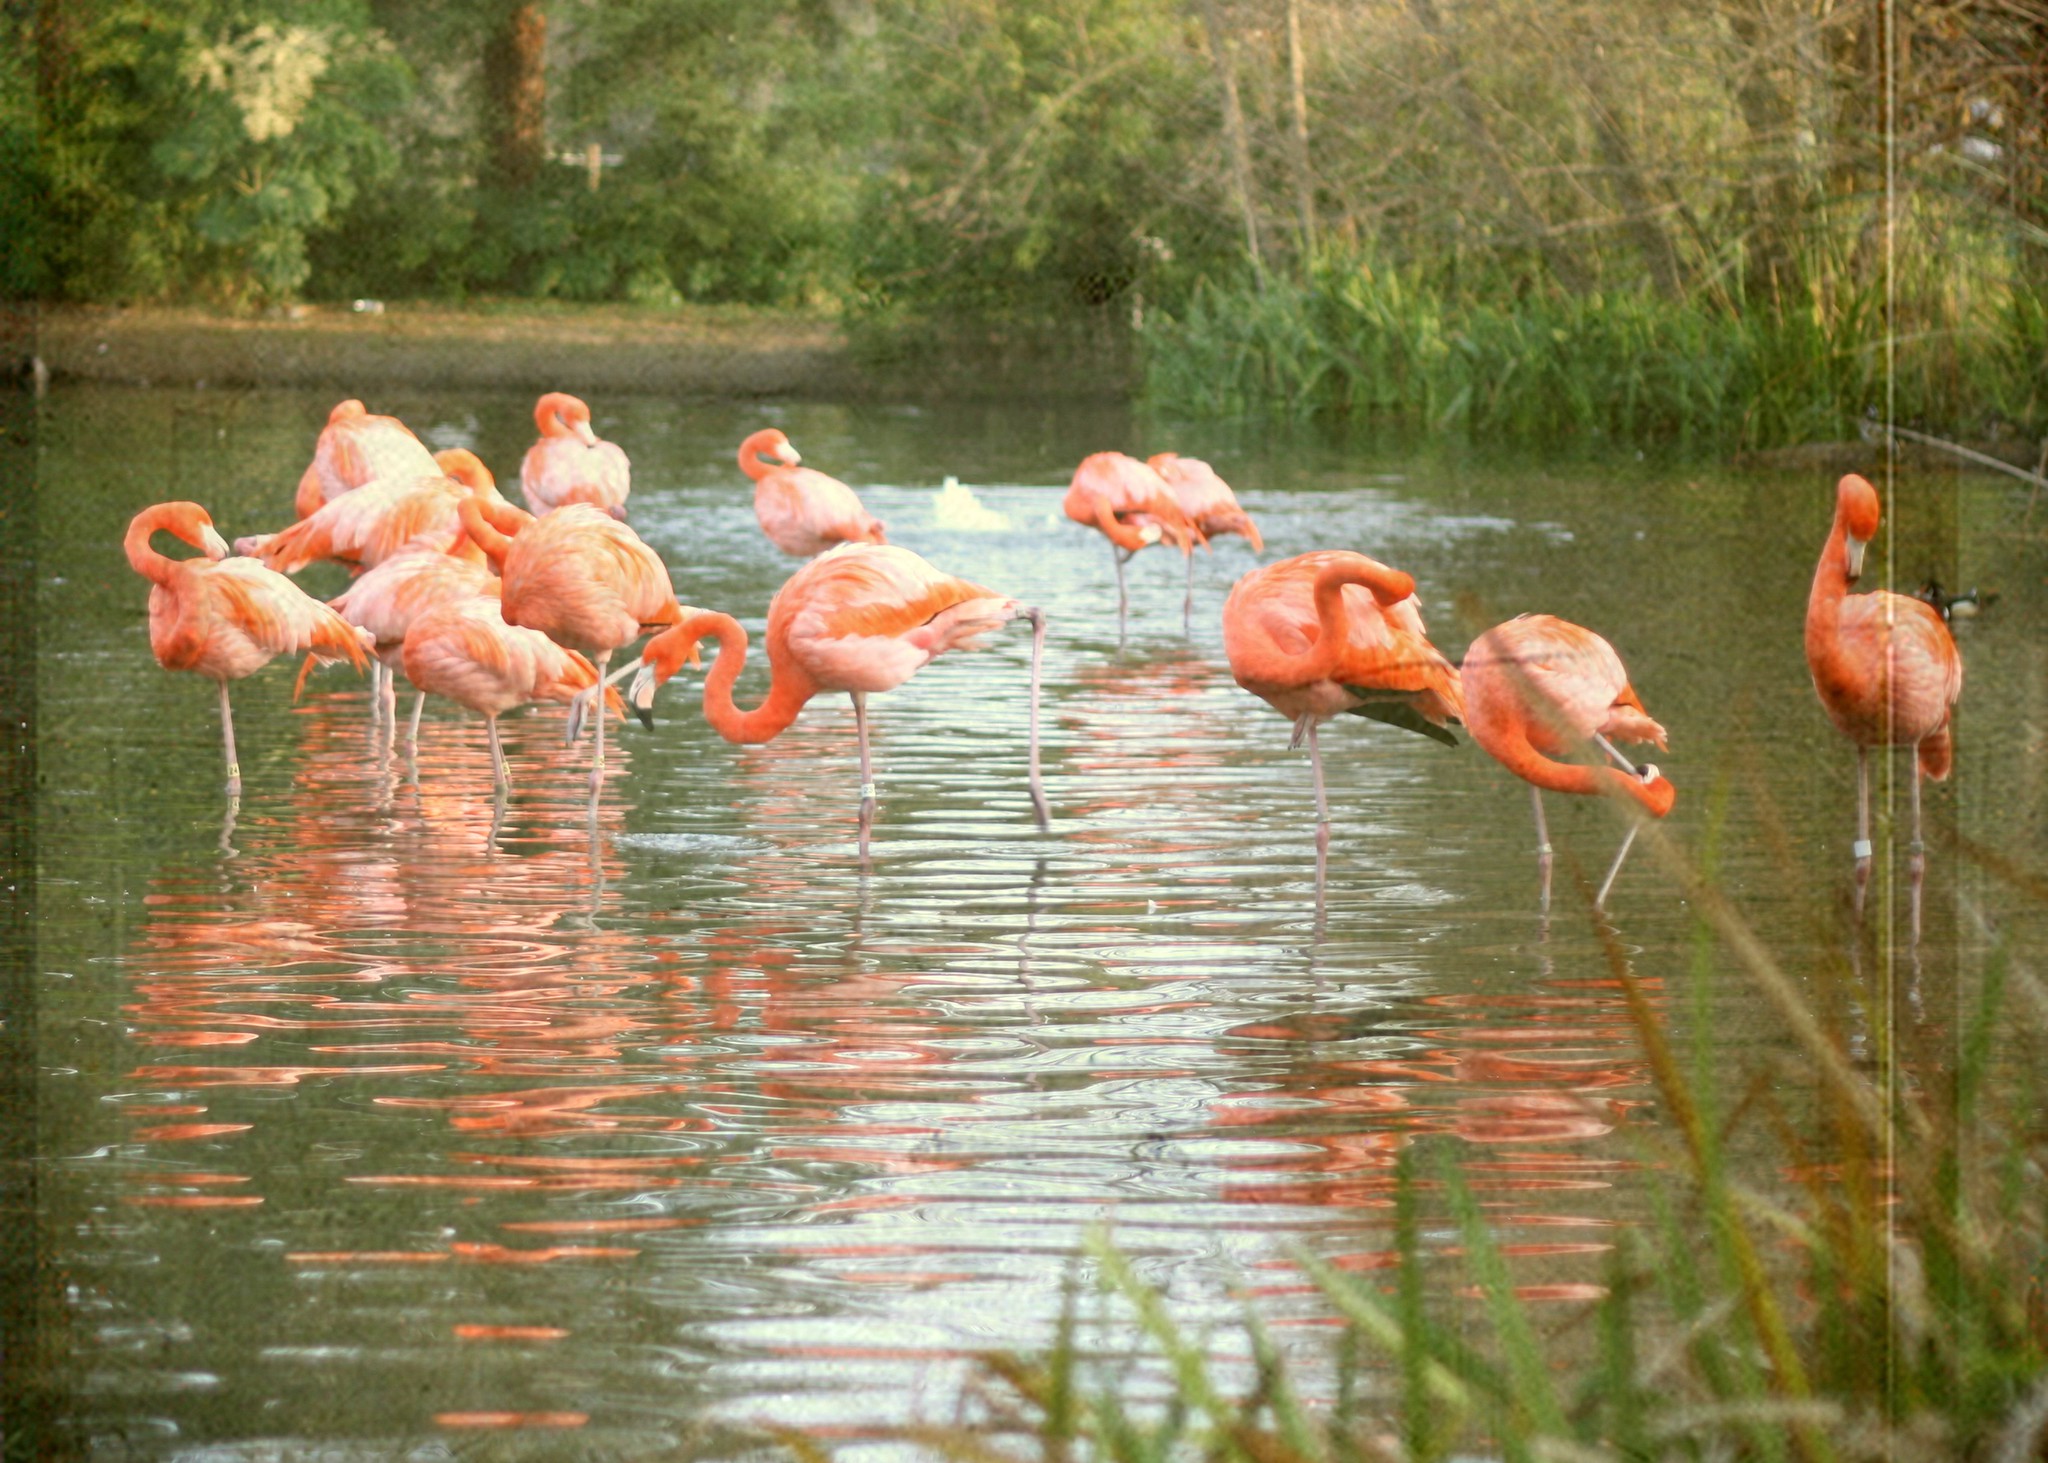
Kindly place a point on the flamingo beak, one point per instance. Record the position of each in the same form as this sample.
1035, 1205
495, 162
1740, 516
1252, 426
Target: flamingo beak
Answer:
787, 455
641, 695
1647, 773
584, 433
1854, 558
215, 546
1150, 533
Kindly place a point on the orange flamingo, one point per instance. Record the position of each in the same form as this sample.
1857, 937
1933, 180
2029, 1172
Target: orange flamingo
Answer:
803, 512
357, 448
365, 527
581, 578
1209, 504
1886, 669
464, 650
569, 464
226, 618
1332, 633
860, 618
1536, 689
387, 599
1133, 506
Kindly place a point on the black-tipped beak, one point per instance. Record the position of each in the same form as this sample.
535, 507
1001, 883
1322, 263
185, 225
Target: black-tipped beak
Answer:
646, 715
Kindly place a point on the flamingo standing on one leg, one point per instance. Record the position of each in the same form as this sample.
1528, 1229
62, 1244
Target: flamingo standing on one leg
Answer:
1886, 669
1331, 633
1536, 688
802, 511
226, 618
861, 618
357, 448
464, 650
1209, 504
580, 577
1133, 506
569, 464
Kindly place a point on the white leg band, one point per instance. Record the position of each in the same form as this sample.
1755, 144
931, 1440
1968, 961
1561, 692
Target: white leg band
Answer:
867, 791
1860, 848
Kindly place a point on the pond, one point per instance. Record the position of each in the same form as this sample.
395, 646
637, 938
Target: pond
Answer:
371, 1130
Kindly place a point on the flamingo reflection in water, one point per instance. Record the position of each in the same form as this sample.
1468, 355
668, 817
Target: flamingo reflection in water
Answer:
1536, 690
860, 618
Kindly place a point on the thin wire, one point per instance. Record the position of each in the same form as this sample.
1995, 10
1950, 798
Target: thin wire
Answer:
1888, 58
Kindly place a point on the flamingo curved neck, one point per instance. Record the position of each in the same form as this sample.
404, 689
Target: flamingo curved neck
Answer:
1124, 535
1519, 757
551, 414
786, 693
1388, 587
1824, 604
750, 455
478, 512
144, 559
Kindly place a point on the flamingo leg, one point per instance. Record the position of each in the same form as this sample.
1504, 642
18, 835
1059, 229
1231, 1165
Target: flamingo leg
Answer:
502, 778
604, 658
1916, 852
1187, 604
389, 690
1038, 805
1542, 846
1600, 899
1861, 848
1613, 751
412, 731
867, 769
227, 741
1315, 762
1123, 598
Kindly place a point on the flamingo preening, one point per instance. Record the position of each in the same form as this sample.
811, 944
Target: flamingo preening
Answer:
355, 448
1133, 507
570, 463
1210, 506
803, 512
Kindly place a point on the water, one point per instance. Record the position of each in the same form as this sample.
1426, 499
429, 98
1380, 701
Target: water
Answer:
371, 1131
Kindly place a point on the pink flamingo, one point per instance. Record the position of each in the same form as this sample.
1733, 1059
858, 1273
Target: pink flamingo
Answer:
1886, 669
1209, 504
1133, 506
387, 600
803, 512
569, 464
1334, 633
357, 448
581, 578
365, 527
226, 618
860, 618
1536, 689
464, 650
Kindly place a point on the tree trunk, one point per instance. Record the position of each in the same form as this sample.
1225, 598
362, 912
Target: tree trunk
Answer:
1499, 171
1304, 187
1234, 135
1632, 190
1771, 198
516, 96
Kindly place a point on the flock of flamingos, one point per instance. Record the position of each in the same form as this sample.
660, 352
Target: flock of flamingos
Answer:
493, 606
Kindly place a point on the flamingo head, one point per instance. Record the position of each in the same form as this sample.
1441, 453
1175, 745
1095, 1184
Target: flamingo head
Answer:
558, 414
347, 410
466, 468
1163, 463
660, 659
194, 525
1653, 790
1856, 509
769, 443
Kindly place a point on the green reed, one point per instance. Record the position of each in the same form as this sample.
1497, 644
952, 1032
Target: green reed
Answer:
1861, 1277
1492, 357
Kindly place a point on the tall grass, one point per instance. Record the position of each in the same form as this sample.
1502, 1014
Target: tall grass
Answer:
1870, 1285
1406, 346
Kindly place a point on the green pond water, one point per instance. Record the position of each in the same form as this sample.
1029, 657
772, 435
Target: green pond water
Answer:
365, 1134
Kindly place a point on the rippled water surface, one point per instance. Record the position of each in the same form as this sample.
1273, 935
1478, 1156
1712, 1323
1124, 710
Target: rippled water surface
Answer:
369, 1129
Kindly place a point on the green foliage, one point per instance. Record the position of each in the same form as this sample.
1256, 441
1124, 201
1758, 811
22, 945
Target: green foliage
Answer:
192, 148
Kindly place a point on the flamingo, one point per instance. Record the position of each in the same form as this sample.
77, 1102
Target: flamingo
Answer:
569, 464
1209, 504
1886, 669
1332, 633
860, 618
580, 577
357, 448
226, 618
464, 650
803, 512
1535, 689
387, 599
365, 527
1133, 506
